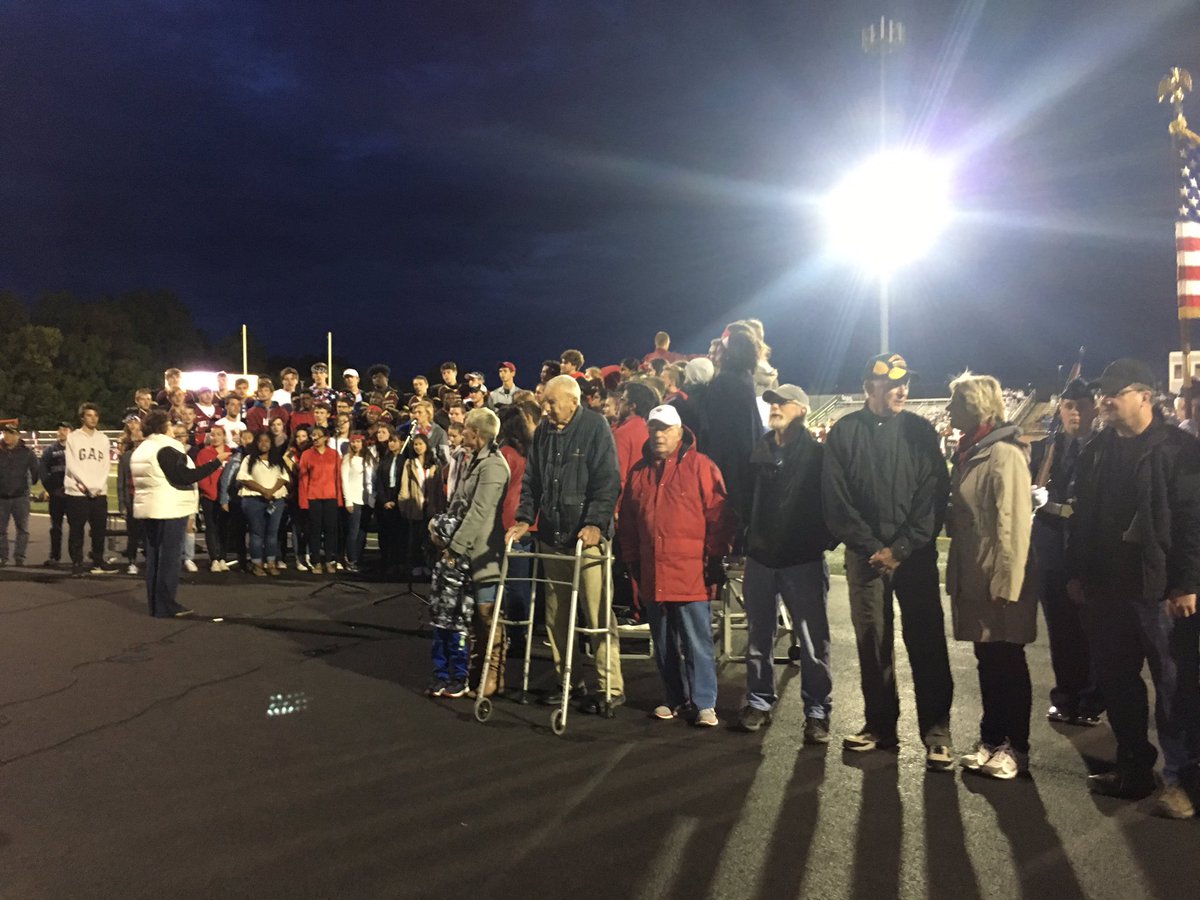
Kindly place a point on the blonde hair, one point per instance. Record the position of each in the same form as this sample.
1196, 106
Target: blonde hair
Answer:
982, 396
484, 422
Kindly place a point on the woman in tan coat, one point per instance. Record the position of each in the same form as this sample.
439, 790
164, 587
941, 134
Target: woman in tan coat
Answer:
992, 593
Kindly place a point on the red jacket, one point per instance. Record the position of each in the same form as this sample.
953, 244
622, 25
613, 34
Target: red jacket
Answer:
512, 496
674, 516
630, 437
320, 476
208, 486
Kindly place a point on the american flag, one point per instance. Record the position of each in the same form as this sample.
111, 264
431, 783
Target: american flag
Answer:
1187, 231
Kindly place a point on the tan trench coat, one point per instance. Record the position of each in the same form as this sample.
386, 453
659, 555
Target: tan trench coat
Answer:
989, 523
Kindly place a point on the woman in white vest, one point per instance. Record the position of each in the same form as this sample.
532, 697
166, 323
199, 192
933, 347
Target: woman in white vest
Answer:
164, 496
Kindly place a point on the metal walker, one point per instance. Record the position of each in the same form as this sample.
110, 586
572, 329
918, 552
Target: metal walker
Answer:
558, 719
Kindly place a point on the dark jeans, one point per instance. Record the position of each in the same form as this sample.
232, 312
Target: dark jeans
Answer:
58, 510
263, 518
234, 537
518, 590
1127, 632
92, 512
1074, 690
214, 539
164, 547
299, 520
322, 531
17, 509
915, 586
356, 537
133, 537
1006, 692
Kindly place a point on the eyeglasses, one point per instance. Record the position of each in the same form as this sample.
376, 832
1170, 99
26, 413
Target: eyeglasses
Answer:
1124, 391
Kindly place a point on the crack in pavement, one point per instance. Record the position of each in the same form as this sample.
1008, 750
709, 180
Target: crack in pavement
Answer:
161, 701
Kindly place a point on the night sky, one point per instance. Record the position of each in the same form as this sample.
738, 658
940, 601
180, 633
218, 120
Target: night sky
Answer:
503, 180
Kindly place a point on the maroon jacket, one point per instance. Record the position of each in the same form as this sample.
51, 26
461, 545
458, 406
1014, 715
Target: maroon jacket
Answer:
673, 518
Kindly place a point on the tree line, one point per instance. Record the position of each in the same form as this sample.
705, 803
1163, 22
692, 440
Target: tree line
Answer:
61, 350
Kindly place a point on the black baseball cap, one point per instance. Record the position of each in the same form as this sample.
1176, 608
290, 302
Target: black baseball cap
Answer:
1120, 374
888, 367
1078, 389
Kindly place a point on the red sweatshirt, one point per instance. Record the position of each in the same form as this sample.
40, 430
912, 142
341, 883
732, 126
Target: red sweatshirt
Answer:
320, 476
208, 486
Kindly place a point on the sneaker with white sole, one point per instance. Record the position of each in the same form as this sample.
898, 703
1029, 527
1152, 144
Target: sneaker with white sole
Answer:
300, 566
866, 740
707, 718
1006, 763
132, 570
664, 712
190, 565
977, 757
939, 758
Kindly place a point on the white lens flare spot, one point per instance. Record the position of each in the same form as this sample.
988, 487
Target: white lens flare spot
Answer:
286, 704
890, 211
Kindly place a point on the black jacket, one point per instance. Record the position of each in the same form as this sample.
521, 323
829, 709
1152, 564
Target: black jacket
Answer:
1049, 530
571, 479
52, 467
787, 527
18, 470
730, 426
1166, 525
884, 483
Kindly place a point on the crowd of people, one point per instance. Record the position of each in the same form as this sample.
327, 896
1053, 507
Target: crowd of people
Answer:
673, 466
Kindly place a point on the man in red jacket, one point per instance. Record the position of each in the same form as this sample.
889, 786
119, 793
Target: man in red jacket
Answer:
674, 527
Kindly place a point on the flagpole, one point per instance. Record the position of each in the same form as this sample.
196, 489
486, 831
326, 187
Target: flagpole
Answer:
1174, 86
329, 339
245, 365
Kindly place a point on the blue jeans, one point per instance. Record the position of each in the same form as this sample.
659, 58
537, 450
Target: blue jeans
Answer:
518, 590
164, 547
1127, 632
263, 518
449, 655
684, 628
804, 590
16, 508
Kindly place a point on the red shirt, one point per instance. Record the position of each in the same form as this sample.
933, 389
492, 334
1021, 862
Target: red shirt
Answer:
208, 486
320, 476
512, 496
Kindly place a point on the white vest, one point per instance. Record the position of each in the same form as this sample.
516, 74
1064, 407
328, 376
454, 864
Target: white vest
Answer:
153, 496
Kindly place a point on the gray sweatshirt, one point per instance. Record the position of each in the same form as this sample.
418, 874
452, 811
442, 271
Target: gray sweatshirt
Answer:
89, 461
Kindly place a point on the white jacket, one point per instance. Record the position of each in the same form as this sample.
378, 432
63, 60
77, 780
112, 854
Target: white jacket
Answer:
153, 496
353, 480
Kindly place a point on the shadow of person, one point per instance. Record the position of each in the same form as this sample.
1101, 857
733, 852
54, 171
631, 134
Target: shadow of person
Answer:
880, 826
948, 869
792, 836
1043, 868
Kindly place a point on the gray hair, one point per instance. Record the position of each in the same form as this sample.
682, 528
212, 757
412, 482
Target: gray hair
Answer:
485, 422
566, 383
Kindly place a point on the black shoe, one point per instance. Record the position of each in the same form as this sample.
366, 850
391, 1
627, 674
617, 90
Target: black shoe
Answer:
554, 697
78, 571
184, 611
1124, 787
816, 731
3, 562
753, 718
18, 561
1086, 720
50, 564
595, 704
1061, 715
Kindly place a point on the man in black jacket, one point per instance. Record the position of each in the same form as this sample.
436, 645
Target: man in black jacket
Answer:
52, 468
18, 473
885, 486
1074, 699
785, 557
1133, 556
570, 489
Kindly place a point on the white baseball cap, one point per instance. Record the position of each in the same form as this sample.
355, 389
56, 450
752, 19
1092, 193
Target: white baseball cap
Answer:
667, 414
353, 372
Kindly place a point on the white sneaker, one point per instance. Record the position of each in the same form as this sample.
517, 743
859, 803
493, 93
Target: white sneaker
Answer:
132, 570
216, 566
281, 565
1005, 764
300, 566
977, 757
190, 565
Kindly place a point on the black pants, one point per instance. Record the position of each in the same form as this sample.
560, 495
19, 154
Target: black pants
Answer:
392, 536
134, 537
58, 509
234, 538
1074, 691
213, 538
322, 531
1007, 694
915, 586
92, 512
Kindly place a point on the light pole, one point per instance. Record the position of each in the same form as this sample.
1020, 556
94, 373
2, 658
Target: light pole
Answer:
881, 39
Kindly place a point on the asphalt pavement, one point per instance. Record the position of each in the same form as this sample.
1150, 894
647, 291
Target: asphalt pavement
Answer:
287, 751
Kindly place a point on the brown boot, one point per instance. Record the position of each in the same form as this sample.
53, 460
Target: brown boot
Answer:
481, 623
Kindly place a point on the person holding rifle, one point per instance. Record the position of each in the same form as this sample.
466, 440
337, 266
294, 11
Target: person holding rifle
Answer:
1074, 699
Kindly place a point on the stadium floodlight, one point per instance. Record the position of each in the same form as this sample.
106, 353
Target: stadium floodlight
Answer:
889, 212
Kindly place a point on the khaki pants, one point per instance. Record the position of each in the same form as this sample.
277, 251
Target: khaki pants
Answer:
592, 612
